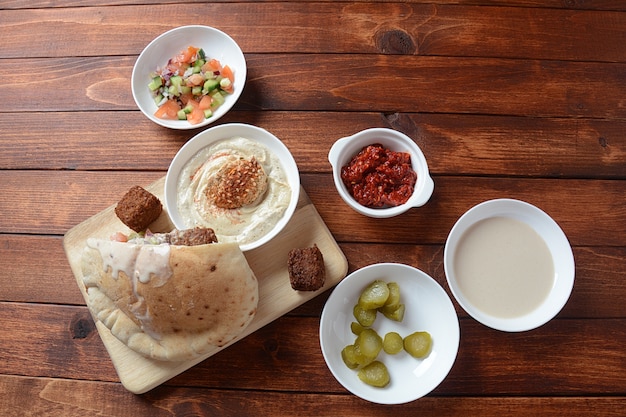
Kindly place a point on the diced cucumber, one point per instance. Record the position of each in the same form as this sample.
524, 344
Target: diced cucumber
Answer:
196, 91
155, 83
218, 99
201, 54
210, 85
158, 99
208, 113
181, 115
185, 89
187, 109
176, 80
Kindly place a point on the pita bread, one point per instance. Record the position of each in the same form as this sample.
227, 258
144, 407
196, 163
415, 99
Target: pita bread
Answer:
170, 302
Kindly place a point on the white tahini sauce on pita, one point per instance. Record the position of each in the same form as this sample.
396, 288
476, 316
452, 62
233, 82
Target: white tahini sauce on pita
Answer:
242, 225
140, 262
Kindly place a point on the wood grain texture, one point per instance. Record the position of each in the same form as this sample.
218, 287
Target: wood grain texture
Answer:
452, 143
521, 99
60, 397
287, 351
69, 197
331, 27
598, 290
495, 86
600, 274
615, 5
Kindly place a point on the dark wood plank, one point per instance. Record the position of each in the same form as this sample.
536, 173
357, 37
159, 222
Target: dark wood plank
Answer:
591, 213
349, 27
552, 4
598, 290
436, 84
452, 144
349, 83
62, 397
584, 356
47, 267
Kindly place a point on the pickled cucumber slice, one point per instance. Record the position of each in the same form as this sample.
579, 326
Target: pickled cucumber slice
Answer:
393, 301
365, 317
356, 328
395, 314
349, 357
368, 343
393, 343
418, 344
375, 295
375, 374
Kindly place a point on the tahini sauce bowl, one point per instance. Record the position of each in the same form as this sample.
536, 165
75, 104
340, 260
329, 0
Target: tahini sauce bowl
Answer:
560, 251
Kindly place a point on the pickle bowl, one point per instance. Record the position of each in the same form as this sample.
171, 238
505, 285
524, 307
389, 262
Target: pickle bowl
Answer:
344, 149
190, 159
156, 55
427, 308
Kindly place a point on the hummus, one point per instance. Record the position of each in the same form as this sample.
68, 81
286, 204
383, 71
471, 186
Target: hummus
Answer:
245, 224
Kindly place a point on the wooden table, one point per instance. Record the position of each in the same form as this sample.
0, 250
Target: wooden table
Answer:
523, 99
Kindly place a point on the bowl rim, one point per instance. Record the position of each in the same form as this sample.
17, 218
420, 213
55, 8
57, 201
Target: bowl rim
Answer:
223, 132
346, 147
438, 307
553, 236
139, 76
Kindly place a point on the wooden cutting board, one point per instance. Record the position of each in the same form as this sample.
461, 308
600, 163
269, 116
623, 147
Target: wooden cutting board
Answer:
139, 374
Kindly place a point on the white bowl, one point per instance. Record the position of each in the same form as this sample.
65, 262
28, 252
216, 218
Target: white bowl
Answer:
215, 43
344, 149
428, 308
556, 242
223, 132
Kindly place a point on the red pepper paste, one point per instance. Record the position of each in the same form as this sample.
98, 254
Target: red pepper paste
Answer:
377, 177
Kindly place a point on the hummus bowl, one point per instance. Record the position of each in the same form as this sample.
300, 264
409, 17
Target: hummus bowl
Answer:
200, 164
215, 43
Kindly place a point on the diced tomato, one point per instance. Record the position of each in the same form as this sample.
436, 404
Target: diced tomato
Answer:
228, 73
184, 98
119, 237
212, 65
187, 55
177, 68
197, 114
168, 110
205, 102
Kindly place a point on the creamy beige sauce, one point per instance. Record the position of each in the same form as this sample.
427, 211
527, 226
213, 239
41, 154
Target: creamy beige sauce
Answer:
242, 225
139, 262
503, 267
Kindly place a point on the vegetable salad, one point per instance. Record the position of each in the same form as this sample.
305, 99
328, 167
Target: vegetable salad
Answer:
191, 86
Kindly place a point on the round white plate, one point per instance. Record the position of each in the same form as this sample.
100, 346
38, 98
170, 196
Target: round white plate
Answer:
428, 308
